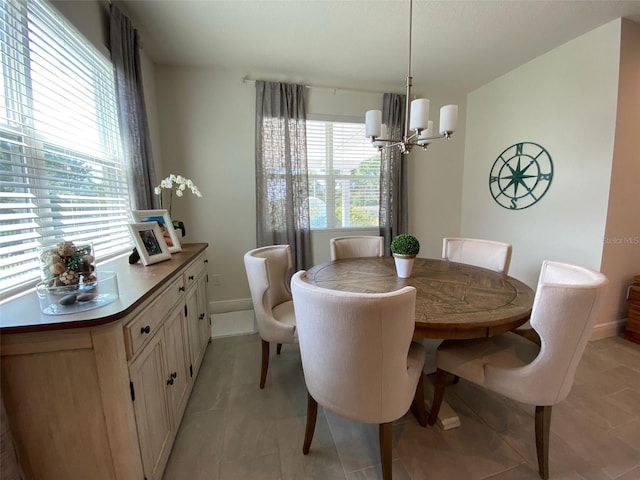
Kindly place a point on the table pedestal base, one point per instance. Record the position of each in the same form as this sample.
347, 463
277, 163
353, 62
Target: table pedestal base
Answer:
447, 417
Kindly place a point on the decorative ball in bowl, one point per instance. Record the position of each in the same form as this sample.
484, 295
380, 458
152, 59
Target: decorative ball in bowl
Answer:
67, 265
66, 299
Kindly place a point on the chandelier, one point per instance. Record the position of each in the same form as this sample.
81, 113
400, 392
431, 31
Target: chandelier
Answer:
418, 129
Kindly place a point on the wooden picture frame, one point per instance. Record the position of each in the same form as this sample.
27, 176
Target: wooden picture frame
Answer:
171, 237
149, 242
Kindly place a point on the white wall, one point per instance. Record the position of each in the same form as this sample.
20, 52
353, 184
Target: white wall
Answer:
206, 121
435, 182
91, 18
565, 101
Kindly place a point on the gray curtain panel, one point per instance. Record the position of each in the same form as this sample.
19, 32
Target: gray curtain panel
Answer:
282, 187
134, 126
393, 173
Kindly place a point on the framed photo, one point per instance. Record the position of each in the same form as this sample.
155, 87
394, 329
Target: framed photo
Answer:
166, 226
149, 241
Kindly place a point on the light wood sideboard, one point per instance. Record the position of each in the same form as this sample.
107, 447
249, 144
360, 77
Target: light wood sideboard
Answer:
100, 394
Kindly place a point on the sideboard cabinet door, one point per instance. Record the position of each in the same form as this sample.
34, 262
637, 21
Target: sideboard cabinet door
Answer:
179, 379
148, 375
198, 323
203, 312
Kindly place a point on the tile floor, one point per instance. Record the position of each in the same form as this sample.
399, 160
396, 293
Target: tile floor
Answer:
233, 430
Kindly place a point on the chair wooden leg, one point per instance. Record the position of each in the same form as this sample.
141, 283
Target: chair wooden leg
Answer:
386, 438
417, 407
278, 348
312, 413
438, 394
265, 363
543, 426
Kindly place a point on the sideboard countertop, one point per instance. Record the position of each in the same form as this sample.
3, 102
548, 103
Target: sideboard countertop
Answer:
136, 283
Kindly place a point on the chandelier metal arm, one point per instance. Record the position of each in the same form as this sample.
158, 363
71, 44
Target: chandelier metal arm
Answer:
406, 144
394, 143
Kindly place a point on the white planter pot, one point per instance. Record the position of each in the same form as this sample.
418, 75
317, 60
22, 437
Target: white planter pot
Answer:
404, 264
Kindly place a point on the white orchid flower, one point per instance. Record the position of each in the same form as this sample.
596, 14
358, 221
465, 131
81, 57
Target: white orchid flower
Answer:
180, 183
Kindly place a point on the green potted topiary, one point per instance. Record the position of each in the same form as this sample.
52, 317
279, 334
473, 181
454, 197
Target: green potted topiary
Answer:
404, 247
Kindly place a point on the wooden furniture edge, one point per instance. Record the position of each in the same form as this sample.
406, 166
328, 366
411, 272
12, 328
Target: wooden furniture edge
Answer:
186, 256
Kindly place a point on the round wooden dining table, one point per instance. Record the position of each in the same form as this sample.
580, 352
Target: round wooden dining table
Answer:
453, 300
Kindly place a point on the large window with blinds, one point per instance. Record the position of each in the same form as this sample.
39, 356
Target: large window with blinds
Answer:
344, 176
62, 173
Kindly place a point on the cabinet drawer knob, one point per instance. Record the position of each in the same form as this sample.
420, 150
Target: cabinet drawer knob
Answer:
181, 289
206, 261
146, 329
201, 317
191, 277
174, 374
170, 381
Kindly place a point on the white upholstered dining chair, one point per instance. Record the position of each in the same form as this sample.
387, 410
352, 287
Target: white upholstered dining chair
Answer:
568, 299
487, 254
356, 247
267, 269
358, 357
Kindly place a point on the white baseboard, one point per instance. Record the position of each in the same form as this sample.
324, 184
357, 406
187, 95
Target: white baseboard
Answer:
232, 323
232, 317
224, 306
609, 329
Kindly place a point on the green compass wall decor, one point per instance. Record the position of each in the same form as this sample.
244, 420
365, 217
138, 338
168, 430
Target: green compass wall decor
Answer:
521, 175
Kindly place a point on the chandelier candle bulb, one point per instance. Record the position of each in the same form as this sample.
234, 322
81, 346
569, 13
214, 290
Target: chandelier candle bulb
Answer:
383, 134
448, 119
373, 123
419, 114
425, 135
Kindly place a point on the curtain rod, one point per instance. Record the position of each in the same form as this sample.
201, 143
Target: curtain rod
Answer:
325, 87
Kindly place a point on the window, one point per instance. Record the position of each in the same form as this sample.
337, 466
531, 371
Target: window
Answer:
62, 174
344, 176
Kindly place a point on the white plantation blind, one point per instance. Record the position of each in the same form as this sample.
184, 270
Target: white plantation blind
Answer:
344, 176
62, 174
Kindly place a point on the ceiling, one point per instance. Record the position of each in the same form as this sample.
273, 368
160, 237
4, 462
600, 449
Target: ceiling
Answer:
364, 44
